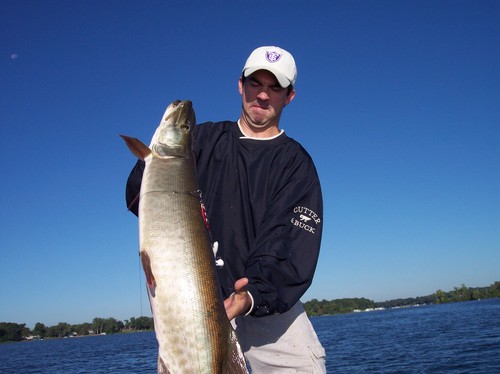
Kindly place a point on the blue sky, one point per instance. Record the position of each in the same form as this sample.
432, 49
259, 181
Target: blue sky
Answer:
397, 102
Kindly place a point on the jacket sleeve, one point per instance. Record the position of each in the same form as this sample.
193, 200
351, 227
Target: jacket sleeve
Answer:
284, 257
133, 187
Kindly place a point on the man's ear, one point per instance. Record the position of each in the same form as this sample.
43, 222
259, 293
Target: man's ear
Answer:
240, 86
290, 97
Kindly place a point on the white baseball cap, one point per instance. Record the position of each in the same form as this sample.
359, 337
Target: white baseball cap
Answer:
274, 59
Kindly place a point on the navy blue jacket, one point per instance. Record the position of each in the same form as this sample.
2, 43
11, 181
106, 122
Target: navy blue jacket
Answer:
264, 206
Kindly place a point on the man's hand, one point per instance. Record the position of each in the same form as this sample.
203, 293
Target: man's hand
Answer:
240, 301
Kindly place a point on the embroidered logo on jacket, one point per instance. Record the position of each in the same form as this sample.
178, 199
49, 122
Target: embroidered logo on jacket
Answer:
305, 218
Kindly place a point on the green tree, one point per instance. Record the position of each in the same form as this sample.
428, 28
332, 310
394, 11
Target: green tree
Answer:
141, 323
82, 329
460, 293
476, 294
13, 331
111, 325
40, 330
440, 296
495, 290
60, 330
98, 325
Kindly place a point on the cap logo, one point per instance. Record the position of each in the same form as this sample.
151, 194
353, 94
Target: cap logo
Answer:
273, 56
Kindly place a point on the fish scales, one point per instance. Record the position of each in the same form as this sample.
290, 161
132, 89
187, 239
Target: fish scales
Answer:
192, 329
171, 223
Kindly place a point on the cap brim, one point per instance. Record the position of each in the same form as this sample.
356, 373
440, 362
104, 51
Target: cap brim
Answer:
282, 80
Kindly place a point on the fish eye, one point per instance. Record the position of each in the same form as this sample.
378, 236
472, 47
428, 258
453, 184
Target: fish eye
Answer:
185, 127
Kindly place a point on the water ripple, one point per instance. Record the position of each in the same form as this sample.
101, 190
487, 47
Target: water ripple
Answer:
449, 338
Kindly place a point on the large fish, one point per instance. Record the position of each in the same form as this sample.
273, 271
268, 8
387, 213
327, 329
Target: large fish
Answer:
191, 325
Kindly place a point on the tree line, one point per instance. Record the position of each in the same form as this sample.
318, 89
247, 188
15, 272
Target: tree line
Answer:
16, 332
462, 293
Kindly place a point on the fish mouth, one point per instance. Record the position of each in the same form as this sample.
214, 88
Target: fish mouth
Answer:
181, 114
172, 138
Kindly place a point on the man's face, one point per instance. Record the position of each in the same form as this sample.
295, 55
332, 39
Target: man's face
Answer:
263, 100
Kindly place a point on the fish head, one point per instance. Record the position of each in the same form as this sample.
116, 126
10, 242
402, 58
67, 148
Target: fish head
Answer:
173, 136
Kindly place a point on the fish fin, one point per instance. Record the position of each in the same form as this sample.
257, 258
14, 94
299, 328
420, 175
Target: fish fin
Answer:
136, 199
138, 148
162, 368
235, 362
146, 265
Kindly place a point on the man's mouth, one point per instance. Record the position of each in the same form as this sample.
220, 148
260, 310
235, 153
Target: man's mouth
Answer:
262, 107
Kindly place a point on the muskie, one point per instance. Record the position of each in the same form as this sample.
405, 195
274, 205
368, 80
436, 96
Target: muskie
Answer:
192, 329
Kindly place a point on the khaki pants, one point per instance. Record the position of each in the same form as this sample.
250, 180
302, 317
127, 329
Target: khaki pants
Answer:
281, 343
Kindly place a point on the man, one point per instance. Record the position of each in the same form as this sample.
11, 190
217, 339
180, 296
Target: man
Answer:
264, 204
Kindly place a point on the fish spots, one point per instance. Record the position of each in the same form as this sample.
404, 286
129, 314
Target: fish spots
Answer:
150, 279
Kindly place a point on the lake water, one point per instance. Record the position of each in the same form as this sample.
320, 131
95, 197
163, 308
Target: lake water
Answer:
448, 338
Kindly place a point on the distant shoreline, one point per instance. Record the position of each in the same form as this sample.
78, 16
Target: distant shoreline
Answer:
14, 332
315, 307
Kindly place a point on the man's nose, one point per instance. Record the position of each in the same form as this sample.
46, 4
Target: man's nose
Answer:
263, 93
